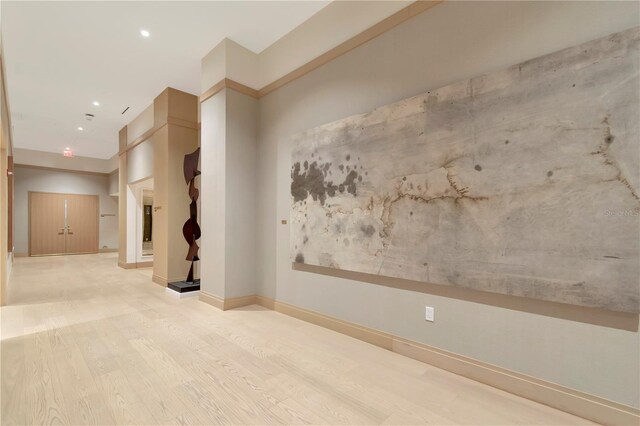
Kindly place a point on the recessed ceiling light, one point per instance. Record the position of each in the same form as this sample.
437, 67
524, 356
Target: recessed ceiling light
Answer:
96, 103
145, 33
80, 128
67, 148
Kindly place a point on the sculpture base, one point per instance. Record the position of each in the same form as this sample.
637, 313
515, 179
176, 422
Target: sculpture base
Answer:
177, 295
184, 286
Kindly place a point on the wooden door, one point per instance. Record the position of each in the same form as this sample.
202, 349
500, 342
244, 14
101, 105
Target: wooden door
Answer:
82, 224
46, 224
62, 224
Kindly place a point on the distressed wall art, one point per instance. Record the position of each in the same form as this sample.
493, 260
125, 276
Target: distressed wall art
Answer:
524, 182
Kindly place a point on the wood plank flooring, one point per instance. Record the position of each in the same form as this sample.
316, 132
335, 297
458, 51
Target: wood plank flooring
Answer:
84, 342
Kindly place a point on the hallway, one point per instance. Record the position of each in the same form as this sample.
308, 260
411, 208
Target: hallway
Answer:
85, 342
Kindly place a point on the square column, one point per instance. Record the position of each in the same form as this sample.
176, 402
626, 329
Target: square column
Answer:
171, 132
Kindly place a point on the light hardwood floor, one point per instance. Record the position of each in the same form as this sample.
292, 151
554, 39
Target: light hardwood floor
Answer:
84, 342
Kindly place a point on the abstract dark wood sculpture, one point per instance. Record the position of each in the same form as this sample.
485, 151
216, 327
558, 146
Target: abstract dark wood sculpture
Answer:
191, 229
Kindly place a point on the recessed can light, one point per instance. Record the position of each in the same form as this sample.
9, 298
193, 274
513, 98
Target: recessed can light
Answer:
80, 128
96, 103
145, 33
67, 148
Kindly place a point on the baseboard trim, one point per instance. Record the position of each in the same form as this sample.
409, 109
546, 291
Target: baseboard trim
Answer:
265, 302
238, 302
369, 335
159, 280
108, 250
125, 265
134, 265
572, 401
211, 299
228, 303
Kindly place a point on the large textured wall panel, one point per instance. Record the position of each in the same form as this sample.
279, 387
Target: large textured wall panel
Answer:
524, 182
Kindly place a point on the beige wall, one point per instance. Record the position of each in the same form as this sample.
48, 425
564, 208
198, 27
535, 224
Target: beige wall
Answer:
213, 181
5, 258
140, 162
29, 179
140, 124
6, 150
240, 200
229, 149
57, 161
173, 121
332, 25
113, 184
230, 60
122, 203
452, 41
345, 19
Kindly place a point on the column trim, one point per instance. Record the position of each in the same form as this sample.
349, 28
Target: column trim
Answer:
132, 265
58, 169
149, 133
157, 279
227, 83
213, 300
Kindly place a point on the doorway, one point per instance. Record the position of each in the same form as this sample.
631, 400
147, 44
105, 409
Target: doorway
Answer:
62, 224
141, 214
147, 222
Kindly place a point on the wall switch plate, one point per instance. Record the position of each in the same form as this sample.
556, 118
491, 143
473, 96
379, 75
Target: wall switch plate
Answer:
429, 313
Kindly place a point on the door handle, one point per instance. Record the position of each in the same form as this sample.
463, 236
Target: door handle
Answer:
69, 231
61, 231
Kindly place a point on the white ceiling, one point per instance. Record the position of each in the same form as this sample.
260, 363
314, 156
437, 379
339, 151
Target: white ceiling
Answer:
62, 56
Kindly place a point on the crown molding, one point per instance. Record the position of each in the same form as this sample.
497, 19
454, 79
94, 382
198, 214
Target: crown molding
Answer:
370, 33
59, 169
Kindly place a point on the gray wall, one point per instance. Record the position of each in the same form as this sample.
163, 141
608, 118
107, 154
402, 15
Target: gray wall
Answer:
113, 184
28, 179
240, 203
229, 149
452, 41
140, 162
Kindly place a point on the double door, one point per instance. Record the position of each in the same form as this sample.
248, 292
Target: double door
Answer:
62, 224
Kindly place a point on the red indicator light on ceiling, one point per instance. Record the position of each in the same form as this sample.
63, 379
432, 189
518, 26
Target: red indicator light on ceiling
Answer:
67, 153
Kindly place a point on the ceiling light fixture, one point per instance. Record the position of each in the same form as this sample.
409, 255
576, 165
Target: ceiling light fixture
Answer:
145, 33
80, 128
96, 103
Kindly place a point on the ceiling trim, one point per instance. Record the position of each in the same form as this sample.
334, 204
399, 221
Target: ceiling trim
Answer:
59, 169
230, 84
149, 133
370, 33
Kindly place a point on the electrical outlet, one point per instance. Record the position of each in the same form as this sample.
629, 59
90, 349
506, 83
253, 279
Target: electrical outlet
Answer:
429, 313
